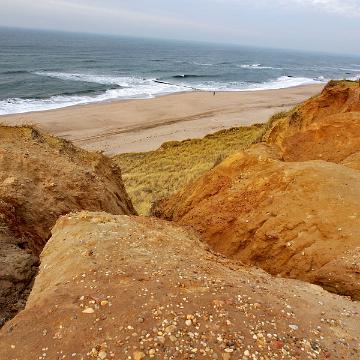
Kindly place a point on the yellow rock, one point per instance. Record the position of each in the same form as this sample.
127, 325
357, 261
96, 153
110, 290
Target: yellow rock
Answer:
88, 311
138, 355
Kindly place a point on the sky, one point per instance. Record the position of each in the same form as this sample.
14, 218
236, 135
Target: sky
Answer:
319, 25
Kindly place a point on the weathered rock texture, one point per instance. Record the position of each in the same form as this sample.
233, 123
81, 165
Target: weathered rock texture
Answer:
41, 178
278, 206
17, 270
292, 219
325, 127
138, 288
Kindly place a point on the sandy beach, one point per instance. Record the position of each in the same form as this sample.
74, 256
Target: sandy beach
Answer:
143, 125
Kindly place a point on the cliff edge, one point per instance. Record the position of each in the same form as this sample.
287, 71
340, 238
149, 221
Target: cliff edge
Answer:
41, 178
141, 288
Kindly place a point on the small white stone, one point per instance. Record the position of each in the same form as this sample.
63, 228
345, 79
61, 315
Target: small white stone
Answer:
88, 310
102, 355
293, 327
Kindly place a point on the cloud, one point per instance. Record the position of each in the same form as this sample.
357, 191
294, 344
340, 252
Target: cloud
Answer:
350, 8
342, 7
85, 7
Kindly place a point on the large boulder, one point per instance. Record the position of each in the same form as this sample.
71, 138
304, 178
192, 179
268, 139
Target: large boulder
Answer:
41, 178
295, 219
120, 287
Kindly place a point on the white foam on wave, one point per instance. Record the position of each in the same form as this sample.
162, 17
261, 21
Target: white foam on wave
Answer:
256, 67
91, 78
139, 88
284, 82
130, 88
279, 83
352, 70
202, 64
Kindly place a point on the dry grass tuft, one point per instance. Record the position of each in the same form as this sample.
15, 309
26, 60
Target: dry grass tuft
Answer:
156, 174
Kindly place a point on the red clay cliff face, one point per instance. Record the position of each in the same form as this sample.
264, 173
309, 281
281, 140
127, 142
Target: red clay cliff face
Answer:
42, 178
278, 206
141, 288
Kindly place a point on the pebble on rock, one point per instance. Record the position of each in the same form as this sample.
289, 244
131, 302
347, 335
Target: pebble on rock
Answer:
138, 355
294, 327
88, 311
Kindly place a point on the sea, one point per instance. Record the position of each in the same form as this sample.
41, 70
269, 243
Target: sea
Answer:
42, 70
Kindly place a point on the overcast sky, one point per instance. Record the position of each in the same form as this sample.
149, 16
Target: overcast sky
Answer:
325, 25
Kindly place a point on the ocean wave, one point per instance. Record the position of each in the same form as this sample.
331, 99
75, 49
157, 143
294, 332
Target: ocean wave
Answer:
284, 82
256, 67
202, 64
90, 78
14, 72
157, 60
279, 83
352, 70
136, 88
192, 76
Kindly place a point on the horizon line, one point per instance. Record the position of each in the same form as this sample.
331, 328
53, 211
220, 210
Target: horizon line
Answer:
235, 44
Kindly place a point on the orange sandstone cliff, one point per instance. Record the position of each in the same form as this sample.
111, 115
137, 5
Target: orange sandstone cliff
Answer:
290, 205
41, 178
325, 127
141, 288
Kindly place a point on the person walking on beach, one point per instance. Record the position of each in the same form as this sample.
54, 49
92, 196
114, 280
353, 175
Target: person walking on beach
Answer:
214, 93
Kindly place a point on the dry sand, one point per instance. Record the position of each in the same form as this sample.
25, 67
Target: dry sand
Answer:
142, 125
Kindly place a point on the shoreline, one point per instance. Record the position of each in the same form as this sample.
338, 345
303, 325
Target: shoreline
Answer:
191, 91
137, 125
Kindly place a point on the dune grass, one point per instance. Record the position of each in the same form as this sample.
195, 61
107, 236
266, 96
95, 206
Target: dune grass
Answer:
153, 175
